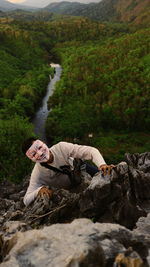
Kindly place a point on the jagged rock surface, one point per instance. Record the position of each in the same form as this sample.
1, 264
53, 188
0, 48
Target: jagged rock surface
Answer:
120, 198
80, 243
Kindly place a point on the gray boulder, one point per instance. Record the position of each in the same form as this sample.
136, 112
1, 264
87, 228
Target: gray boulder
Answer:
115, 202
80, 243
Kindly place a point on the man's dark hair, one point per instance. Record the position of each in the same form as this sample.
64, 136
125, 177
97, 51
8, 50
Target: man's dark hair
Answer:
27, 143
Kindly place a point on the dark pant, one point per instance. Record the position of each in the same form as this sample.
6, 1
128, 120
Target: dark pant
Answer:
90, 169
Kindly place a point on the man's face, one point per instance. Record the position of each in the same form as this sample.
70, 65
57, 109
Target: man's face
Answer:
38, 152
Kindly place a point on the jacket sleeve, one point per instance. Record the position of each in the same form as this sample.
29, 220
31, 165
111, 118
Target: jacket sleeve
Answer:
83, 152
34, 186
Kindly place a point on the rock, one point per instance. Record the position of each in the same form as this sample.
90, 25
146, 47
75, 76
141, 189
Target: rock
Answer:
11, 227
93, 198
7, 188
139, 182
6, 246
129, 259
80, 243
143, 226
5, 205
113, 195
9, 210
63, 207
13, 191
114, 198
139, 161
120, 198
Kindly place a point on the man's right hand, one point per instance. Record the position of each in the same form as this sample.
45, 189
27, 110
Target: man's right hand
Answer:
44, 191
106, 168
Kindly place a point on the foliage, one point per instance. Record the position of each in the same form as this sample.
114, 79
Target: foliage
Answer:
12, 133
24, 74
114, 145
103, 86
133, 12
103, 91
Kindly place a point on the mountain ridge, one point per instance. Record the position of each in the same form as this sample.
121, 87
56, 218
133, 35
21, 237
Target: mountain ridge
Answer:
65, 7
135, 12
44, 3
4, 4
8, 6
106, 10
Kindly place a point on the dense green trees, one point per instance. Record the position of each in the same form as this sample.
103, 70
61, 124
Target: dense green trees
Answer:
24, 75
105, 86
13, 132
103, 91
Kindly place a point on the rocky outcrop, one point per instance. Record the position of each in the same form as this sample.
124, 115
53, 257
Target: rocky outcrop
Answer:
119, 204
80, 243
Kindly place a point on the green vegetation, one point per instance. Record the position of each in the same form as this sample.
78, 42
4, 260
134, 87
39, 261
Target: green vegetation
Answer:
13, 131
103, 91
104, 88
24, 74
114, 145
133, 12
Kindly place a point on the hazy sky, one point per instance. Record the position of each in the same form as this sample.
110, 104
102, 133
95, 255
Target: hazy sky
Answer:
16, 1
43, 3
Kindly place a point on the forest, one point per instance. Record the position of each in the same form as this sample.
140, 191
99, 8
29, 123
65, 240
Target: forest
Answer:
102, 98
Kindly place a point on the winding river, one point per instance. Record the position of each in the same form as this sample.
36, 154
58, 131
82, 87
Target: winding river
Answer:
42, 113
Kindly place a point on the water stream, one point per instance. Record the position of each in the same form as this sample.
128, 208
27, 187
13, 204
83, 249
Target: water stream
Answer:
42, 113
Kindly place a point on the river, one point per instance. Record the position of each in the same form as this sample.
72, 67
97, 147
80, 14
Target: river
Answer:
42, 113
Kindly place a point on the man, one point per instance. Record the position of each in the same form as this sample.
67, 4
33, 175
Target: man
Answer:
49, 162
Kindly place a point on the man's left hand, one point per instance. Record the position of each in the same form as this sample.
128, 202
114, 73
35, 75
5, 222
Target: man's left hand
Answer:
106, 168
44, 191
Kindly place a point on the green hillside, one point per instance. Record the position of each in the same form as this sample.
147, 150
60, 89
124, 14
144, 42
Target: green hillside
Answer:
103, 91
24, 75
130, 11
64, 7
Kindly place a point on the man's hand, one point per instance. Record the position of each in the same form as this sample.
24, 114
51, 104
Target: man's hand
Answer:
44, 191
106, 168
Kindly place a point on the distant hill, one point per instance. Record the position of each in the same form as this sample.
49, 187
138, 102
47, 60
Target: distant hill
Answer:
102, 11
44, 3
137, 11
133, 10
7, 6
67, 8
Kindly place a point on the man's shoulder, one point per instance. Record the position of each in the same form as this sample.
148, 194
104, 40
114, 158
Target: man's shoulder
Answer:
38, 170
37, 166
60, 145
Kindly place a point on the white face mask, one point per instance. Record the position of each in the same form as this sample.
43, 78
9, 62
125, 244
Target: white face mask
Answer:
38, 152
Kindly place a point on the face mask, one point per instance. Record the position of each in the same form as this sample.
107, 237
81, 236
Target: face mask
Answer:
38, 152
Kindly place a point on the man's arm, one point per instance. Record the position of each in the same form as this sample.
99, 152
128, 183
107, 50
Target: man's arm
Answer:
86, 153
35, 185
82, 152
31, 193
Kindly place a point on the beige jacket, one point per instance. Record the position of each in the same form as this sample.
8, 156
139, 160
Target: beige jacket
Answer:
62, 153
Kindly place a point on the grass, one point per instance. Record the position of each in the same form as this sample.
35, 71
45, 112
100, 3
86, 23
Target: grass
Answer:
113, 146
